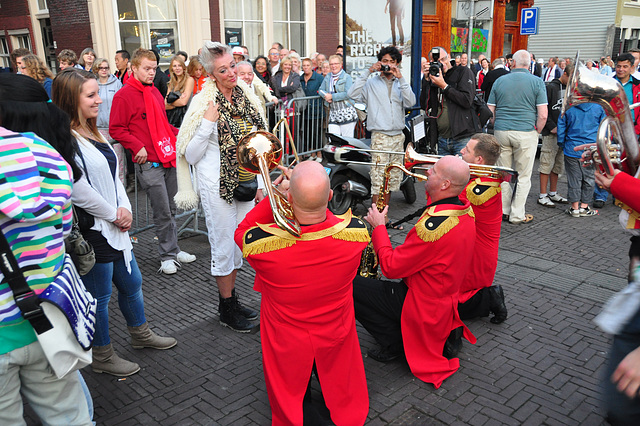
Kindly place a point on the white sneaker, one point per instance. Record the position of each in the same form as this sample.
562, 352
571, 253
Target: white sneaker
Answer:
184, 257
168, 267
558, 198
545, 201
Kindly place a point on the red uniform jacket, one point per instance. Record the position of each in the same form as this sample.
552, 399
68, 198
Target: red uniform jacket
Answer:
433, 260
485, 197
128, 121
626, 189
307, 312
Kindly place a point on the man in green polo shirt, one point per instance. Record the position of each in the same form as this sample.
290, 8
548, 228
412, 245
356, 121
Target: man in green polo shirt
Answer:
518, 101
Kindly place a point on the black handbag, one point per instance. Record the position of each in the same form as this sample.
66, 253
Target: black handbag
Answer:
176, 115
173, 96
246, 191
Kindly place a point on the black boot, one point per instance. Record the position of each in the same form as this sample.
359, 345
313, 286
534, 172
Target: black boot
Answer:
453, 344
230, 317
249, 314
496, 304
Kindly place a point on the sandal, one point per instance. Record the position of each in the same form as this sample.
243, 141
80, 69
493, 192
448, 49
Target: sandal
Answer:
528, 218
398, 227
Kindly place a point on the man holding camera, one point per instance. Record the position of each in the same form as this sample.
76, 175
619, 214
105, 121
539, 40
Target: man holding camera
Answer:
386, 96
447, 97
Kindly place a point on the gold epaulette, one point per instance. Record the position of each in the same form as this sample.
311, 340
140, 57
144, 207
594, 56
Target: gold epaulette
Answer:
257, 240
433, 225
355, 231
479, 192
633, 215
265, 238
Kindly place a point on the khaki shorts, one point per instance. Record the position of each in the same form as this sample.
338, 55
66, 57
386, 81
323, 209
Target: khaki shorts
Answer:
551, 156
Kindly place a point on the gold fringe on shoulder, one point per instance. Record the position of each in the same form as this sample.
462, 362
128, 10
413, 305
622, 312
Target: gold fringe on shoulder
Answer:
476, 197
360, 235
431, 235
265, 245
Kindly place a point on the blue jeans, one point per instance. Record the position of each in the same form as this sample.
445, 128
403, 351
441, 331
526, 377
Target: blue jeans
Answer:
98, 282
600, 194
450, 146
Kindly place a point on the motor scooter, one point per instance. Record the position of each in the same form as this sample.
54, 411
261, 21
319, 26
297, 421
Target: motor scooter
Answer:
350, 180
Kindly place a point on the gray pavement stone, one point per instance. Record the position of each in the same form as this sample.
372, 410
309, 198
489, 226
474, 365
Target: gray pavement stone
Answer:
541, 366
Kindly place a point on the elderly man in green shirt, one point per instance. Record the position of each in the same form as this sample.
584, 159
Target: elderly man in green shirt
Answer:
518, 101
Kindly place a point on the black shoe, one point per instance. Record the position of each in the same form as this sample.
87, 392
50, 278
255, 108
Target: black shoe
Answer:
231, 317
505, 218
249, 314
385, 354
598, 204
453, 344
496, 304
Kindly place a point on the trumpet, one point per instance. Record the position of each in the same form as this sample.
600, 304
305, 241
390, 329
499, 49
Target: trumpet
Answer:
412, 160
259, 153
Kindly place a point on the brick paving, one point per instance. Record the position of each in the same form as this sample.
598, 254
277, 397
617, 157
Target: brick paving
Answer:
542, 366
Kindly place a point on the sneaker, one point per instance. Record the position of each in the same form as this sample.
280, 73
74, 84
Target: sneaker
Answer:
587, 212
558, 198
598, 204
169, 267
546, 201
573, 213
184, 257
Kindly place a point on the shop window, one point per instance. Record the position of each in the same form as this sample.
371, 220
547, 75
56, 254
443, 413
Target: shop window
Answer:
5, 60
289, 24
244, 25
511, 11
151, 24
428, 7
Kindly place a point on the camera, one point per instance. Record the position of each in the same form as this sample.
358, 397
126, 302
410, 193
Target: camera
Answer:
435, 66
385, 68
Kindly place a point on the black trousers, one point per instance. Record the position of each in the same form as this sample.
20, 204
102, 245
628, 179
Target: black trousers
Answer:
378, 307
476, 306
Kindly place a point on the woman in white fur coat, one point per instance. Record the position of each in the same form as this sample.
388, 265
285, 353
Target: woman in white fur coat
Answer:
219, 116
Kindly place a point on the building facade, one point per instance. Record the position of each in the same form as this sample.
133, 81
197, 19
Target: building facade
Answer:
496, 28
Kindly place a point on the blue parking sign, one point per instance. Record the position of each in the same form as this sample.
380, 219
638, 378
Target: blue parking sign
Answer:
529, 21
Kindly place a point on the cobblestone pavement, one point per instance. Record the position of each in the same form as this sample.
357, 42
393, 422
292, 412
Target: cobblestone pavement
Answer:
542, 366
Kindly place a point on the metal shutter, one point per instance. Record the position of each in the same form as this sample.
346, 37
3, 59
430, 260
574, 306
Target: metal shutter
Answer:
567, 26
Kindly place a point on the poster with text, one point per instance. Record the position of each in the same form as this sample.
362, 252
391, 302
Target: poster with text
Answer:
368, 29
163, 41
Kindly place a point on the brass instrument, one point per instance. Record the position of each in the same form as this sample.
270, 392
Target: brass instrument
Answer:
259, 153
412, 160
586, 86
369, 260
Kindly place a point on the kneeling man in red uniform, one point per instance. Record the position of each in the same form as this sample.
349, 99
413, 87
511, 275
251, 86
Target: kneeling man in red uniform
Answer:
477, 296
418, 313
307, 311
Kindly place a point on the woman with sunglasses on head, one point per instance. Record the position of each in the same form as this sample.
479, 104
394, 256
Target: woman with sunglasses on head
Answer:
102, 196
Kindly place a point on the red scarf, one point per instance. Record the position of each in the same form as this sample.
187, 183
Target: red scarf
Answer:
164, 141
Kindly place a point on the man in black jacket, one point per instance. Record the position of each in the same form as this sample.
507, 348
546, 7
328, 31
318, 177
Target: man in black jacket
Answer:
497, 71
448, 100
551, 156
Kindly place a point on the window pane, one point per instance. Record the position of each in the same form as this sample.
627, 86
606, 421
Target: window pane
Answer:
279, 10
429, 7
164, 39
506, 49
511, 11
162, 10
134, 35
233, 9
42, 4
253, 9
131, 10
296, 10
297, 39
24, 42
281, 34
254, 38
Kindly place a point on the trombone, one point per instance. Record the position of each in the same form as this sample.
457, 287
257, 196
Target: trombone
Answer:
413, 160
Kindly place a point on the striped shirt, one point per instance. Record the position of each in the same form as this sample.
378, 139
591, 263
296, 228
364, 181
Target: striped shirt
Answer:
35, 216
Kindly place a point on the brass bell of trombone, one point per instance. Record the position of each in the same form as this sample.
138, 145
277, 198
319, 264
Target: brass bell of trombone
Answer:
259, 153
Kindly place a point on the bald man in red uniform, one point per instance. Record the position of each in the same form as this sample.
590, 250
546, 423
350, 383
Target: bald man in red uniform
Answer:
418, 314
307, 301
477, 296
